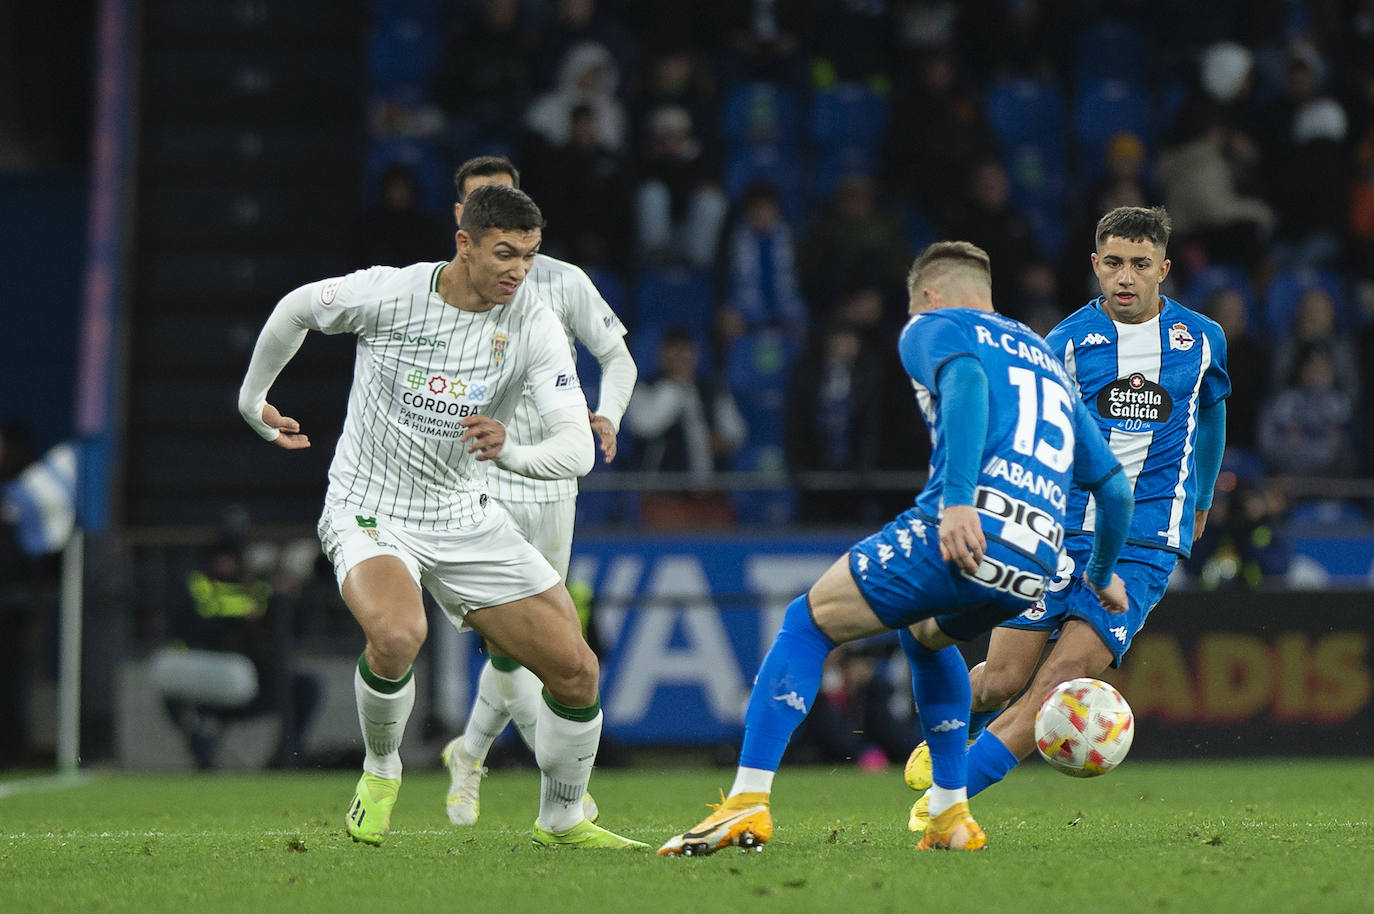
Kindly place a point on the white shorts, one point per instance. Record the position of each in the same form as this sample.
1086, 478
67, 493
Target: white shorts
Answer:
548, 525
486, 564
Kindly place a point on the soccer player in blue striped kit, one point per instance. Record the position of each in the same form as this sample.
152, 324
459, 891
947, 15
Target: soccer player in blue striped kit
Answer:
982, 541
1153, 375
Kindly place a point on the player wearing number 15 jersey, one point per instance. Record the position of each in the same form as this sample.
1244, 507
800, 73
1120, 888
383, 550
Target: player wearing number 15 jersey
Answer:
983, 539
1152, 374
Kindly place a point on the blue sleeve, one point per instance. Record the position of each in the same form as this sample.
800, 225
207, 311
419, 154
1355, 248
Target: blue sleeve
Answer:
927, 342
962, 385
1211, 444
1093, 460
1115, 504
1216, 382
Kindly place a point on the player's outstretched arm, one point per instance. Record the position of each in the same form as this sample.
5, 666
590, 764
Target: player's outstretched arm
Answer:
281, 337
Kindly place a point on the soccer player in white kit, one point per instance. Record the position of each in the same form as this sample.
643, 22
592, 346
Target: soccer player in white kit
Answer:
543, 510
445, 353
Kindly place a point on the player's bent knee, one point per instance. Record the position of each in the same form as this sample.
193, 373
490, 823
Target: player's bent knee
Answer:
399, 642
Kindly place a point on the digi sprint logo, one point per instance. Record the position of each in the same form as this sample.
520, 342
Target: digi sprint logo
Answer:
1135, 404
433, 403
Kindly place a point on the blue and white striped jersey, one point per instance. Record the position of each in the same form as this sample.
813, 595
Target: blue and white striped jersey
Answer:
1038, 444
1144, 384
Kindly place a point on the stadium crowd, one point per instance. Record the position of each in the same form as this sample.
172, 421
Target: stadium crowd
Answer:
752, 178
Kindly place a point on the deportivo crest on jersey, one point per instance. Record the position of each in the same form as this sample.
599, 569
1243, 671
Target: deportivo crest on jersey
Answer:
1095, 339
498, 346
1180, 338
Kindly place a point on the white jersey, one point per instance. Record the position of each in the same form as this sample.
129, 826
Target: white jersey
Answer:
585, 317
422, 365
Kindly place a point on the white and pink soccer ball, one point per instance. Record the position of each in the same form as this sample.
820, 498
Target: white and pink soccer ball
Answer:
1084, 728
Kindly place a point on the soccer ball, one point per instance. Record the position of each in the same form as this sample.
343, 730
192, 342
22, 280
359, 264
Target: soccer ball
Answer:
1084, 728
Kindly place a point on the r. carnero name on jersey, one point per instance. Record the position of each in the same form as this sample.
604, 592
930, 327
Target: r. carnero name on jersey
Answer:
1012, 346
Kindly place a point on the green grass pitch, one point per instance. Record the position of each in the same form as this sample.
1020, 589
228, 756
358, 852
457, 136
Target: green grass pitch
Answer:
1152, 836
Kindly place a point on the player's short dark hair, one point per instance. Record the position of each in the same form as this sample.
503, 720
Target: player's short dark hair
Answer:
1136, 223
484, 167
944, 256
500, 208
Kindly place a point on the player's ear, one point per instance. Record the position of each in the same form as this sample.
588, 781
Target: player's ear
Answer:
463, 243
1164, 268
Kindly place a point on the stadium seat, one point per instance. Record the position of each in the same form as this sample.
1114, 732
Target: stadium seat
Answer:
848, 114
772, 507
758, 368
1286, 289
776, 164
1102, 110
402, 55
1021, 110
674, 297
1099, 50
1327, 512
762, 114
612, 288
833, 164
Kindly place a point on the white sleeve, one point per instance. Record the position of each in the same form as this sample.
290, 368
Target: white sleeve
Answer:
281, 337
566, 451
618, 376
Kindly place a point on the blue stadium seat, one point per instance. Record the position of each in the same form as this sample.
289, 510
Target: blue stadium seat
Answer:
758, 368
1286, 289
402, 53
1037, 173
848, 114
674, 297
1026, 110
612, 288
1327, 512
762, 114
776, 164
835, 163
1102, 110
1099, 50
771, 507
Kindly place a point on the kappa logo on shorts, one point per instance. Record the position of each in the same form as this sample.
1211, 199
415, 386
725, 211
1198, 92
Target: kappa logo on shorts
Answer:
1118, 632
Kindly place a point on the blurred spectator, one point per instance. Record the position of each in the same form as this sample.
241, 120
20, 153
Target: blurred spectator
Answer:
853, 240
1314, 323
587, 77
988, 217
1123, 184
761, 266
394, 228
1199, 172
852, 720
1306, 428
680, 208
763, 39
937, 131
1248, 362
676, 74
835, 413
232, 659
1307, 164
1038, 298
850, 43
1245, 544
680, 422
483, 74
574, 23
583, 189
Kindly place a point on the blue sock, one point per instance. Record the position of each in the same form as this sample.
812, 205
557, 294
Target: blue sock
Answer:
989, 760
939, 680
978, 721
785, 687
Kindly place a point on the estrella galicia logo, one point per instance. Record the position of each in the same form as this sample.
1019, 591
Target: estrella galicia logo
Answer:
1135, 404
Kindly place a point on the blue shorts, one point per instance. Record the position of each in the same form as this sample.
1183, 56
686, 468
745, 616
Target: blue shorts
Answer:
900, 573
1146, 574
